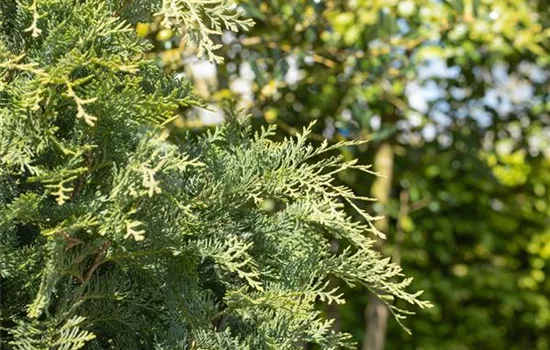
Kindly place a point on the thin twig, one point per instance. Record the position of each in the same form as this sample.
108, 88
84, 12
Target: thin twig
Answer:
71, 241
81, 179
98, 260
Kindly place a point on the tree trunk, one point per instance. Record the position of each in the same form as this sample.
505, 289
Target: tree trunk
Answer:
376, 313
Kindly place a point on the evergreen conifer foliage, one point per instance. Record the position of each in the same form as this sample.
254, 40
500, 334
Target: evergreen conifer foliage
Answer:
116, 235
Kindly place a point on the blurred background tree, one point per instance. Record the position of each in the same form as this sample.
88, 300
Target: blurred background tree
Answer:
455, 97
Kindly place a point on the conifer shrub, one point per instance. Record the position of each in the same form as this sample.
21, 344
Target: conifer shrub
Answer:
115, 234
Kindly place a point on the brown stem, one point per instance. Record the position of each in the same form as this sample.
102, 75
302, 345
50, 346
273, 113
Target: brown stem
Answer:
98, 260
71, 241
8, 76
216, 320
79, 279
81, 179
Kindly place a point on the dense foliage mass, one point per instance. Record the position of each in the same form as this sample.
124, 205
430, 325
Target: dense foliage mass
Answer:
116, 234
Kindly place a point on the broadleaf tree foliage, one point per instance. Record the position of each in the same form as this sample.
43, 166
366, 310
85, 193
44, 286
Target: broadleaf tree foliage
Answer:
116, 234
